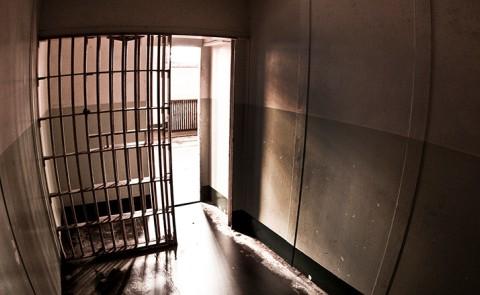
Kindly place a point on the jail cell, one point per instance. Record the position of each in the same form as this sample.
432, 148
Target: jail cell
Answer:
104, 109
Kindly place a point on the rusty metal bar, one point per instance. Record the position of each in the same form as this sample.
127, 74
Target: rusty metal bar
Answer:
118, 147
100, 142
160, 107
136, 101
125, 127
75, 140
155, 193
111, 49
87, 139
65, 162
170, 146
121, 183
164, 138
52, 144
91, 112
88, 74
151, 152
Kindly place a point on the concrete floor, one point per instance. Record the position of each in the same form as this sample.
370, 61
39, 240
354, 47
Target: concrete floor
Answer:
209, 259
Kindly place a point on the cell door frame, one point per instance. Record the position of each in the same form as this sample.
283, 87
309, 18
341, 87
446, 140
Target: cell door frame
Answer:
206, 196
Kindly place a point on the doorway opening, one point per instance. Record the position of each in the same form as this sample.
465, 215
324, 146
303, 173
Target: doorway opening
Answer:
201, 72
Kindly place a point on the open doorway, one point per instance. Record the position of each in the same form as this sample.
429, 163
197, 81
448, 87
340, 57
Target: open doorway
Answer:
201, 74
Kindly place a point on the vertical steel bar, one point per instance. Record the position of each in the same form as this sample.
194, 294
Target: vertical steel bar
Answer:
152, 174
124, 130
136, 102
75, 142
54, 159
112, 132
161, 126
170, 144
64, 150
87, 139
100, 141
166, 122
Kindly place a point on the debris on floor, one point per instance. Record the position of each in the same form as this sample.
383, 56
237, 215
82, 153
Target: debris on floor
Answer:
264, 254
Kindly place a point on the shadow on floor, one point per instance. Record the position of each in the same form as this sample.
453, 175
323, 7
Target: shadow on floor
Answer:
206, 261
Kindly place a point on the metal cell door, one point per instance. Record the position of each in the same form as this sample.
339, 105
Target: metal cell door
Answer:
104, 112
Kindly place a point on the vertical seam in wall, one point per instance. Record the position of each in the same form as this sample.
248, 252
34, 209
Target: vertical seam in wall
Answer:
408, 147
422, 156
15, 238
404, 164
307, 99
231, 139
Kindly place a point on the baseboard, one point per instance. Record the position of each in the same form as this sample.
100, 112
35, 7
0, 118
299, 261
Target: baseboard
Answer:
327, 281
321, 276
211, 196
246, 224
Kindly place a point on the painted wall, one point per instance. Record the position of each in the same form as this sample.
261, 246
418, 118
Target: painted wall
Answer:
208, 18
220, 118
274, 114
30, 261
204, 113
391, 140
441, 255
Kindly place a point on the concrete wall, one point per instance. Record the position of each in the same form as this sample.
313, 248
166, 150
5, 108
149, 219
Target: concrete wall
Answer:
204, 123
215, 129
387, 201
441, 255
29, 261
191, 17
274, 113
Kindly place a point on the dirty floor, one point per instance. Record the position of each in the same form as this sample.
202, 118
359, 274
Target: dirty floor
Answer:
210, 259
